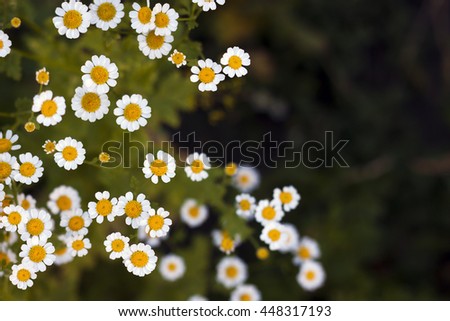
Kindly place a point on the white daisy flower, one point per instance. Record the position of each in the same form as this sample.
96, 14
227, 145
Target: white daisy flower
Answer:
154, 46
7, 164
38, 253
134, 209
89, 105
207, 5
165, 21
6, 254
49, 146
141, 18
246, 292
69, 153
62, 255
246, 179
192, 213
26, 201
73, 18
23, 275
103, 208
152, 241
132, 112
208, 73
172, 267
163, 166
76, 221
225, 242
29, 171
157, 223
197, 297
311, 276
7, 141
235, 60
177, 58
140, 259
117, 245
292, 239
268, 211
274, 235
245, 206
38, 223
5, 44
231, 272
51, 108
106, 14
42, 76
63, 198
78, 245
307, 249
197, 166
99, 74
288, 197
14, 216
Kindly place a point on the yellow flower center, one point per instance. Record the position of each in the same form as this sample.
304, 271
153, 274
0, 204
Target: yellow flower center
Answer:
104, 157
90, 102
30, 126
49, 108
285, 197
304, 253
72, 19
262, 253
117, 245
245, 205
244, 179
14, 218
161, 20
153, 41
158, 167
69, 153
106, 11
178, 58
156, 222
5, 144
6, 202
245, 297
197, 166
133, 209
23, 275
104, 207
61, 251
206, 75
49, 147
310, 275
1, 44
268, 213
35, 226
194, 211
274, 235
78, 245
132, 112
5, 170
4, 257
139, 259
172, 267
37, 253
25, 204
227, 244
16, 22
64, 203
230, 169
76, 223
235, 62
144, 15
99, 75
27, 169
231, 272
43, 77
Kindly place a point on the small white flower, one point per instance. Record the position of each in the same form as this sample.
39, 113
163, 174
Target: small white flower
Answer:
141, 18
192, 213
73, 18
63, 198
103, 208
51, 108
78, 245
207, 5
117, 245
5, 44
231, 272
235, 60
225, 242
268, 211
7, 164
292, 239
69, 153
172, 267
49, 146
157, 223
273, 234
197, 166
288, 197
100, 74
311, 276
14, 217
23, 275
132, 112
37, 223
177, 58
245, 206
134, 209
165, 21
154, 46
26, 201
76, 221
38, 252
106, 14
7, 142
42, 76
208, 73
140, 259
308, 249
89, 105
29, 171
163, 166
246, 292
246, 179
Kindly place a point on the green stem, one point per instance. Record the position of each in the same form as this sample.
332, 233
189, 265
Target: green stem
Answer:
14, 189
93, 163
